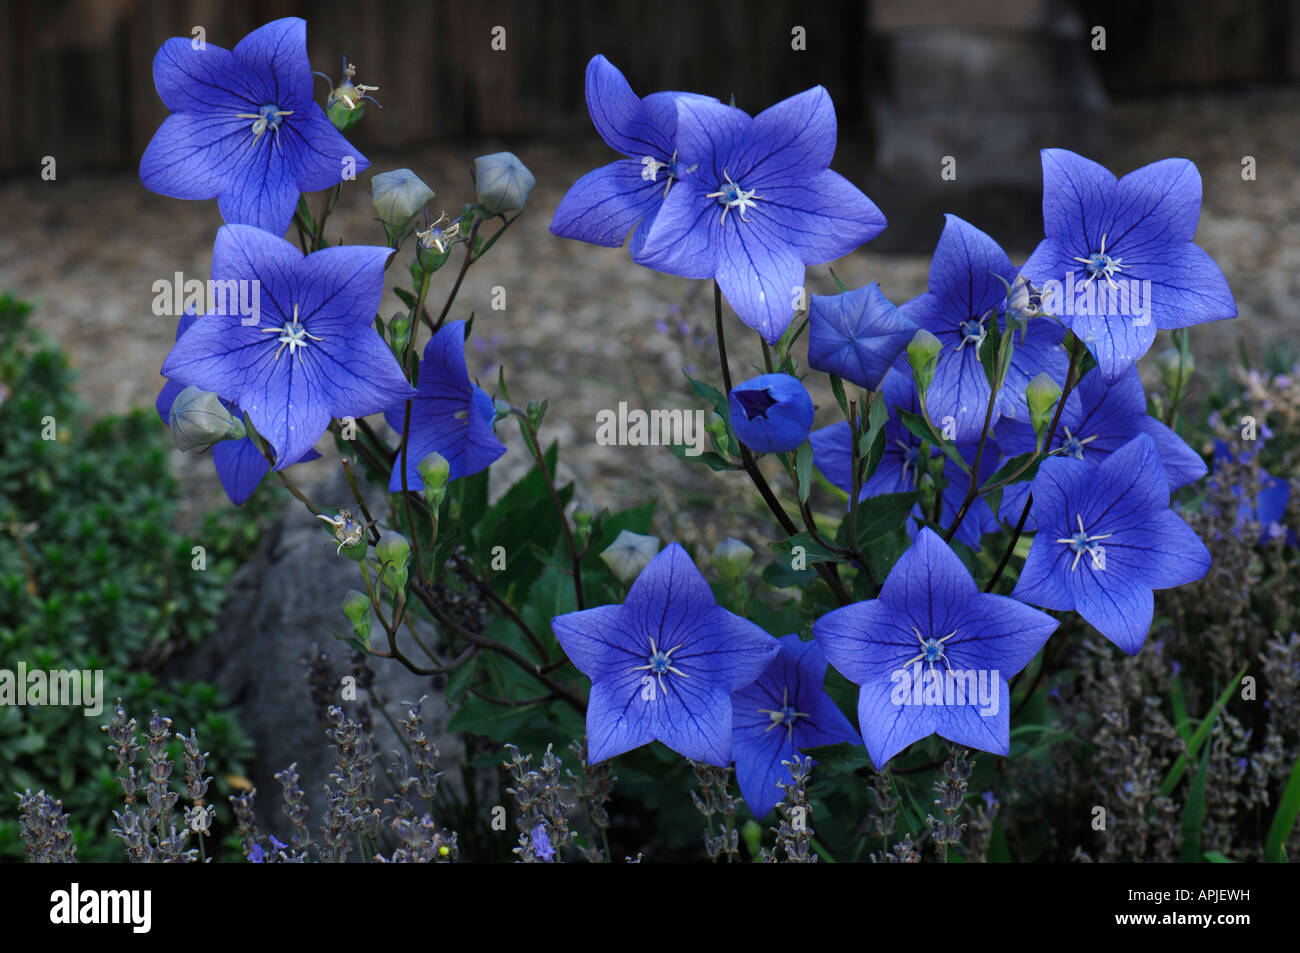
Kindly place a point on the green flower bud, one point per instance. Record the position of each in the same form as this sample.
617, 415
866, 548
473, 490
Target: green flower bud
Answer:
581, 523
398, 196
434, 470
502, 182
199, 419
629, 554
394, 553
1175, 368
399, 332
1042, 395
731, 558
356, 606
433, 244
393, 548
923, 354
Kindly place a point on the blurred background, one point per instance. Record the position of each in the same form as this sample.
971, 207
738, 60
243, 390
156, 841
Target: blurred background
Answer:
916, 83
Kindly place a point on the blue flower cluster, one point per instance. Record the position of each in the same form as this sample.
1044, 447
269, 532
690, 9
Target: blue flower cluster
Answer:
1021, 378
245, 129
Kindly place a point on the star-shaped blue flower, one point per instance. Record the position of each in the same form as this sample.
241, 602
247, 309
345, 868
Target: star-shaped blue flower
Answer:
1120, 234
605, 205
760, 205
932, 654
898, 470
244, 128
782, 711
313, 353
965, 297
1106, 538
240, 465
1097, 420
856, 335
450, 414
663, 664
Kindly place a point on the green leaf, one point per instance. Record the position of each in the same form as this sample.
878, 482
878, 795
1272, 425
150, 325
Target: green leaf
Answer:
838, 759
814, 552
1215, 857
1012, 465
1284, 820
1194, 812
779, 575
837, 388
877, 516
918, 427
1193, 748
803, 458
713, 461
408, 299
990, 355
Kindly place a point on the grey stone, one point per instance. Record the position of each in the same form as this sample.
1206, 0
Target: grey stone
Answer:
287, 597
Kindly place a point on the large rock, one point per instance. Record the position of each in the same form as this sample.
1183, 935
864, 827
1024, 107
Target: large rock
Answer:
281, 602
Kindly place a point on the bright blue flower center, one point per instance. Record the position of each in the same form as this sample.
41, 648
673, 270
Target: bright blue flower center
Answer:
732, 194
973, 331
1085, 542
1101, 265
1072, 447
659, 663
932, 649
267, 117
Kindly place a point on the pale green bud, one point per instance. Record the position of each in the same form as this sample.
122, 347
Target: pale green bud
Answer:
199, 419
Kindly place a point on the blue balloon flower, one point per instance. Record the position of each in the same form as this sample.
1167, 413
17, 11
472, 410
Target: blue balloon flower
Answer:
856, 335
1096, 421
1121, 257
898, 470
244, 128
240, 465
312, 353
782, 711
605, 205
771, 413
1106, 538
758, 205
663, 664
450, 414
965, 297
932, 654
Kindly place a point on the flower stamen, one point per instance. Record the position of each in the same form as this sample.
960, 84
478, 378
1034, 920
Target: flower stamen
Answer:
731, 195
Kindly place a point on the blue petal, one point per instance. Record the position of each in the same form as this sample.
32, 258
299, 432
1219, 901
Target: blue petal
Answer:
262, 189
318, 153
760, 276
1077, 198
618, 115
791, 139
192, 154
928, 583
888, 728
605, 205
209, 80
595, 640
1161, 201
279, 50
240, 467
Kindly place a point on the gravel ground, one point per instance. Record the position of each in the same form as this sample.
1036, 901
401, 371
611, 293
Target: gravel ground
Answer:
584, 326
